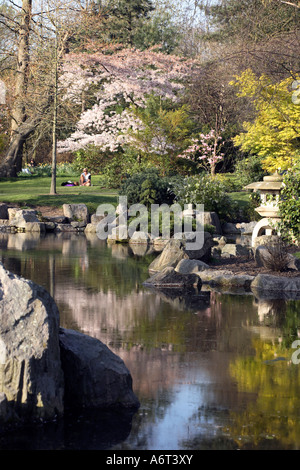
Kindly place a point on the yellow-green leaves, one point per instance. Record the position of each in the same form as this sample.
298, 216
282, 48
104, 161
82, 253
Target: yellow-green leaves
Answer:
275, 131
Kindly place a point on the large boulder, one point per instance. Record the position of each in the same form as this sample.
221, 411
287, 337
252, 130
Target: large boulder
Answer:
44, 368
226, 279
140, 238
31, 376
37, 227
212, 218
76, 212
94, 376
20, 218
246, 228
169, 278
275, 284
170, 256
228, 228
95, 219
235, 249
190, 266
90, 228
177, 249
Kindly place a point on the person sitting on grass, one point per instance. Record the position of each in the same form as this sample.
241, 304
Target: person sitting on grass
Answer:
85, 178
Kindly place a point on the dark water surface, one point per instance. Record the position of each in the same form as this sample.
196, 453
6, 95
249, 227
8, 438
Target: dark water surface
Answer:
211, 370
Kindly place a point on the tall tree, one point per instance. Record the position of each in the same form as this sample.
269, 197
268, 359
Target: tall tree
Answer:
36, 72
252, 20
125, 19
19, 132
274, 134
261, 34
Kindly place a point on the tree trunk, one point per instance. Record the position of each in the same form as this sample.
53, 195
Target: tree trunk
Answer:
54, 134
19, 110
12, 163
20, 131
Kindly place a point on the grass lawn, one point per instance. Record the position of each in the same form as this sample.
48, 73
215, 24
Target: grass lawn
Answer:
241, 197
34, 191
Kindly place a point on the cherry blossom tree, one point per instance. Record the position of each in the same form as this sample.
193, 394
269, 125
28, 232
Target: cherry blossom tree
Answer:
107, 83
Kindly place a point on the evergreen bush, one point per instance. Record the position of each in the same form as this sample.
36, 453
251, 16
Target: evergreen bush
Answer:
147, 188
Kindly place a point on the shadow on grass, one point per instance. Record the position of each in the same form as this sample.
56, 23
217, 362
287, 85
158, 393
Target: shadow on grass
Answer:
91, 200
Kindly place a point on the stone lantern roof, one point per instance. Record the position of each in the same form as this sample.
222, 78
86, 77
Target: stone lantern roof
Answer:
270, 184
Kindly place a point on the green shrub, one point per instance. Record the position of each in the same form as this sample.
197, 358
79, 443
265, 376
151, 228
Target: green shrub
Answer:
209, 191
209, 228
289, 207
91, 158
147, 188
249, 170
114, 167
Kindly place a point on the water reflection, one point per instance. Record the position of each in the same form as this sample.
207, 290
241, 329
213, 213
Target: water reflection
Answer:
204, 367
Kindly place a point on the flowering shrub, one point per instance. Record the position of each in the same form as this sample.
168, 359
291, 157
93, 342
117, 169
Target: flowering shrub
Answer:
205, 150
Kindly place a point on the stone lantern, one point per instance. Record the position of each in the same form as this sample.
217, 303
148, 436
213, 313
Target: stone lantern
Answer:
269, 190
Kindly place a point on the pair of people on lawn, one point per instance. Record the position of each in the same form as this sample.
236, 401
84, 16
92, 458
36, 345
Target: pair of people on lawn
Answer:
85, 180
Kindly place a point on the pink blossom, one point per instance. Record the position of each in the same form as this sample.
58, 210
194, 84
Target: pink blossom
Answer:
209, 145
128, 74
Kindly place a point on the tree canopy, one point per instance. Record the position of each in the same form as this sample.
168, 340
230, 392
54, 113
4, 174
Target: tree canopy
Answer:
274, 134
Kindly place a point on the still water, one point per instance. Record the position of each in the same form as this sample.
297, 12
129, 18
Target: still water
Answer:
211, 370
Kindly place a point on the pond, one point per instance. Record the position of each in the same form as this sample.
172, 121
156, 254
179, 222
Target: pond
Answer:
212, 370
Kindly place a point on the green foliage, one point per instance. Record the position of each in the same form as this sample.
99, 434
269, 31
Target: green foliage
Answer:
112, 167
274, 134
289, 207
210, 192
209, 228
91, 158
166, 131
159, 30
253, 20
147, 188
249, 170
125, 19
121, 166
45, 169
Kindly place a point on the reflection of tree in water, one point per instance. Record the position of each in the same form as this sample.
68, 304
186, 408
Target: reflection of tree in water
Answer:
282, 316
273, 417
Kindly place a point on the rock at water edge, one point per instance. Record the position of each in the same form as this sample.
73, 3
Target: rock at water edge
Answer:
31, 376
94, 376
